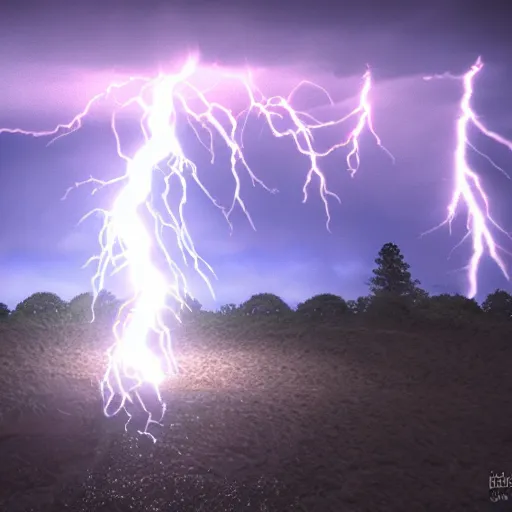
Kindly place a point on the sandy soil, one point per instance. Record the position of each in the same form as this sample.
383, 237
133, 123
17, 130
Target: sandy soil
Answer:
317, 420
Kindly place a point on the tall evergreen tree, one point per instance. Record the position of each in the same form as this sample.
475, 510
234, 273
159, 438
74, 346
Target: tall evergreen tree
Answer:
392, 276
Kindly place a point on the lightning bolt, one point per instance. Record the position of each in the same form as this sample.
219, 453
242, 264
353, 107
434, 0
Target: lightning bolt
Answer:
468, 188
141, 355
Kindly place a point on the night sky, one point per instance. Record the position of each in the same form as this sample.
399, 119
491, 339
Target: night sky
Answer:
53, 59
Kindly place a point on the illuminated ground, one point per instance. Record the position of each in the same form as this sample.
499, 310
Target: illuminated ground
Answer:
305, 419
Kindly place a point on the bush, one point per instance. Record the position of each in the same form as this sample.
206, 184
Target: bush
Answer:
80, 308
389, 308
265, 304
43, 305
4, 311
324, 306
229, 310
498, 305
358, 306
450, 310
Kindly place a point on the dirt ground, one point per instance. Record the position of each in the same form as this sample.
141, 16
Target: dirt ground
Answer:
317, 420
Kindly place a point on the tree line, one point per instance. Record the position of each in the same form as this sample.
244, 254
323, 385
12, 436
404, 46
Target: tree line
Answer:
393, 295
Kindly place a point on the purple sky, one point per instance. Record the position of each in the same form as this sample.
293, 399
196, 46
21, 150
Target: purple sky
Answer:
53, 60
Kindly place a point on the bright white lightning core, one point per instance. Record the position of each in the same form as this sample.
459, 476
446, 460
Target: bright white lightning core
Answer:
125, 240
468, 188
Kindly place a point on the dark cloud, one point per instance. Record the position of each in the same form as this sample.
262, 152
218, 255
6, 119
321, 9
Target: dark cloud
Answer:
341, 36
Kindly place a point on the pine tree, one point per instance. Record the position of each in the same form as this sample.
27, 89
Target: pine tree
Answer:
392, 276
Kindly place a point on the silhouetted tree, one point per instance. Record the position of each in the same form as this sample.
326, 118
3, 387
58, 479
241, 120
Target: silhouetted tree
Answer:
362, 304
41, 304
358, 306
325, 305
190, 309
265, 304
420, 297
106, 306
390, 307
4, 311
192, 304
498, 304
456, 303
80, 307
228, 309
392, 276
452, 309
352, 306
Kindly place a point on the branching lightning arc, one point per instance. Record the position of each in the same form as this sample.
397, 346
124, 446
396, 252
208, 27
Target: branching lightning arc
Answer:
126, 242
468, 188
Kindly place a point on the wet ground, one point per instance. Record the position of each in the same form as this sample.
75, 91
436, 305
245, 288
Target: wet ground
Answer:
379, 421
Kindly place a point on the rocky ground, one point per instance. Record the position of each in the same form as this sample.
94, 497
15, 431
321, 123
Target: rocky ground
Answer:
317, 420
